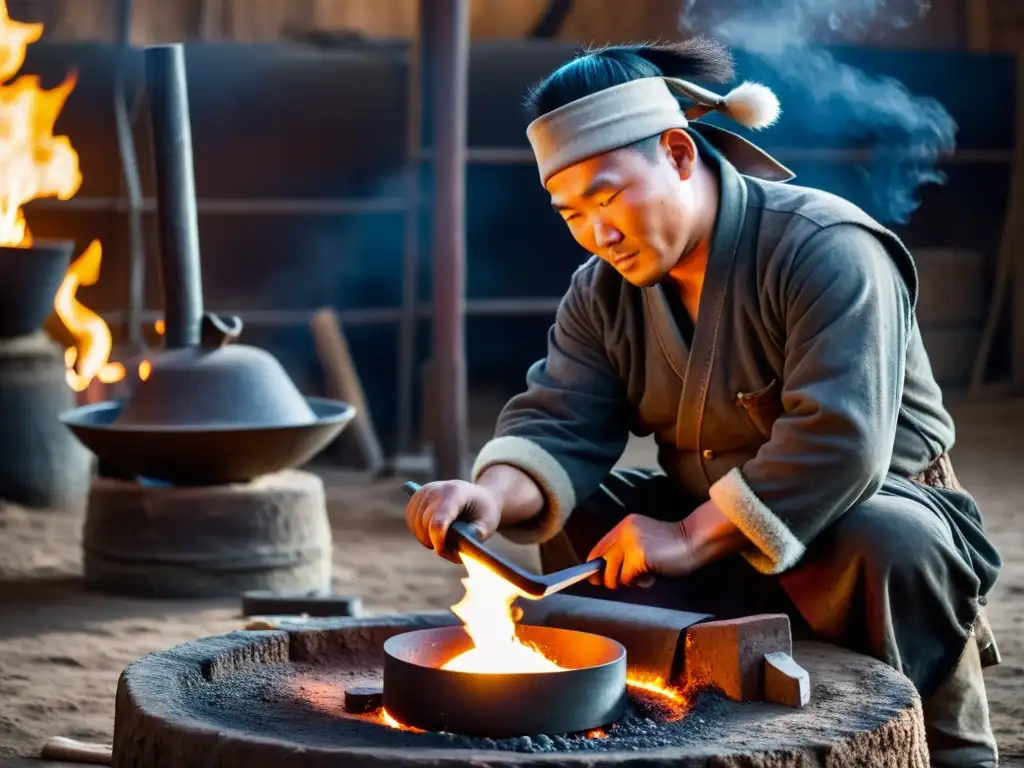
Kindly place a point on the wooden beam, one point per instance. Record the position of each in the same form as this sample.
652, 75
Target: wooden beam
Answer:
978, 23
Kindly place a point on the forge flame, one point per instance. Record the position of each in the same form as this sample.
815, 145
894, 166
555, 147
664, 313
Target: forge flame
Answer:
34, 164
486, 612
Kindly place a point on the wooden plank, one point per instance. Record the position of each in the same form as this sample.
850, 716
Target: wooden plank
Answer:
343, 383
158, 21
254, 20
978, 23
374, 18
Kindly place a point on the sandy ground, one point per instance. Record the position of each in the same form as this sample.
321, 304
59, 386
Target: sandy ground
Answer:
61, 649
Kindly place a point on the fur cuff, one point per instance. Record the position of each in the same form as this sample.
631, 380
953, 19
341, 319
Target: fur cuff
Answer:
777, 548
545, 470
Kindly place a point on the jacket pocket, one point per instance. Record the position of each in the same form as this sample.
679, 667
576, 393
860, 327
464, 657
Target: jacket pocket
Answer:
762, 407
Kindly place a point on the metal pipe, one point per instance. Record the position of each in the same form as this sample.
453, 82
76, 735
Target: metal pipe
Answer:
130, 170
446, 26
176, 199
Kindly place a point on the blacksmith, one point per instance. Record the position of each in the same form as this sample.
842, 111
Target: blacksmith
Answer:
765, 334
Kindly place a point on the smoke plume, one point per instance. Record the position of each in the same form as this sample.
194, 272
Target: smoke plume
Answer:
904, 133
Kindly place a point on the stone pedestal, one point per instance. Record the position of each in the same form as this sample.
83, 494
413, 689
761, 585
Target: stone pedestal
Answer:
208, 541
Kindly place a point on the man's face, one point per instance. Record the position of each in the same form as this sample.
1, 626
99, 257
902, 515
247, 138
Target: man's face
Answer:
629, 209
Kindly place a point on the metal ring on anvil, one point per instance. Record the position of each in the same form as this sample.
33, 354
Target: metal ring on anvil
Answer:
588, 692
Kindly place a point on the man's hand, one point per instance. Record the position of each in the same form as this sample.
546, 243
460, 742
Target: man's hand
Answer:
435, 506
639, 547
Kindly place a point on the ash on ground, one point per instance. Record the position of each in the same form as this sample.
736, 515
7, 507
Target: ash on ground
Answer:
650, 722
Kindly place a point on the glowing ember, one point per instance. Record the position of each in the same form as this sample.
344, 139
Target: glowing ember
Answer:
658, 688
486, 610
385, 718
146, 367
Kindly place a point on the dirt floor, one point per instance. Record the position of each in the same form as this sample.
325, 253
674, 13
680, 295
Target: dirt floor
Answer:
61, 649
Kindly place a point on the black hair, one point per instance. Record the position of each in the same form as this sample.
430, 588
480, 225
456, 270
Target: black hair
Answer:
697, 58
596, 70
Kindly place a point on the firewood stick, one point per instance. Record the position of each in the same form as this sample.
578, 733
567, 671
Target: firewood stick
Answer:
72, 751
343, 383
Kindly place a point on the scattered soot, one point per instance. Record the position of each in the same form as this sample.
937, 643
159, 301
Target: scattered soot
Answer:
303, 704
647, 724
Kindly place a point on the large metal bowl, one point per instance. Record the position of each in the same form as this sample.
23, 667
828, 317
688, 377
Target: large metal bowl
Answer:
204, 454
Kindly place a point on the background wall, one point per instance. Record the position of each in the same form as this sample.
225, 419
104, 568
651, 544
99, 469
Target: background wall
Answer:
995, 24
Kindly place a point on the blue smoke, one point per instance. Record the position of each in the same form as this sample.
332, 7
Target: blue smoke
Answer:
905, 133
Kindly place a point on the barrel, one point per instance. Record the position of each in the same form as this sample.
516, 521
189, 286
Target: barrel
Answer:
156, 540
42, 465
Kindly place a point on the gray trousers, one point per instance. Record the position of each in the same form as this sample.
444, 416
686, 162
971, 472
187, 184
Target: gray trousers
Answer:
899, 577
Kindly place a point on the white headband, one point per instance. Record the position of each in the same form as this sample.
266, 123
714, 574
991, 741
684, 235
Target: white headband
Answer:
627, 113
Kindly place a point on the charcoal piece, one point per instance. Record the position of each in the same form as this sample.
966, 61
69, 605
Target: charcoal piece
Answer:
363, 698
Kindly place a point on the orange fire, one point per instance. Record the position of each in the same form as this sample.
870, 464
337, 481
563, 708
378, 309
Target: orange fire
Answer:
486, 611
91, 334
35, 164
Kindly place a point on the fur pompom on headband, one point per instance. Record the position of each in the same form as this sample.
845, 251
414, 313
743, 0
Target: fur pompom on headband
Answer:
750, 104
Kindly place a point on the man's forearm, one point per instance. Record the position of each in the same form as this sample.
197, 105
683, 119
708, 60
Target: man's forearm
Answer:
519, 496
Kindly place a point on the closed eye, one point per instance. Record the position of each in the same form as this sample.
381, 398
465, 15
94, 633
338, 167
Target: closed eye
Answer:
607, 200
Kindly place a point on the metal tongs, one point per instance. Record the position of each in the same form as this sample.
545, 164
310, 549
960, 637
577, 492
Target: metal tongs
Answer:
530, 585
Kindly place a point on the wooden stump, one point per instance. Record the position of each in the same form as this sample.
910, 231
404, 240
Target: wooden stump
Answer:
277, 698
42, 465
209, 541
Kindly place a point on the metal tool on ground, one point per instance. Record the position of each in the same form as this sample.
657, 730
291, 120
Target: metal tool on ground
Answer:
266, 603
530, 585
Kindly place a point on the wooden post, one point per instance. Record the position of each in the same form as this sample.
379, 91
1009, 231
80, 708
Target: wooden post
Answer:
978, 23
445, 35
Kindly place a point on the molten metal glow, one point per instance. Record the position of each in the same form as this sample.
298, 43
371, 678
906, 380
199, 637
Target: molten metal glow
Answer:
385, 718
486, 611
35, 164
